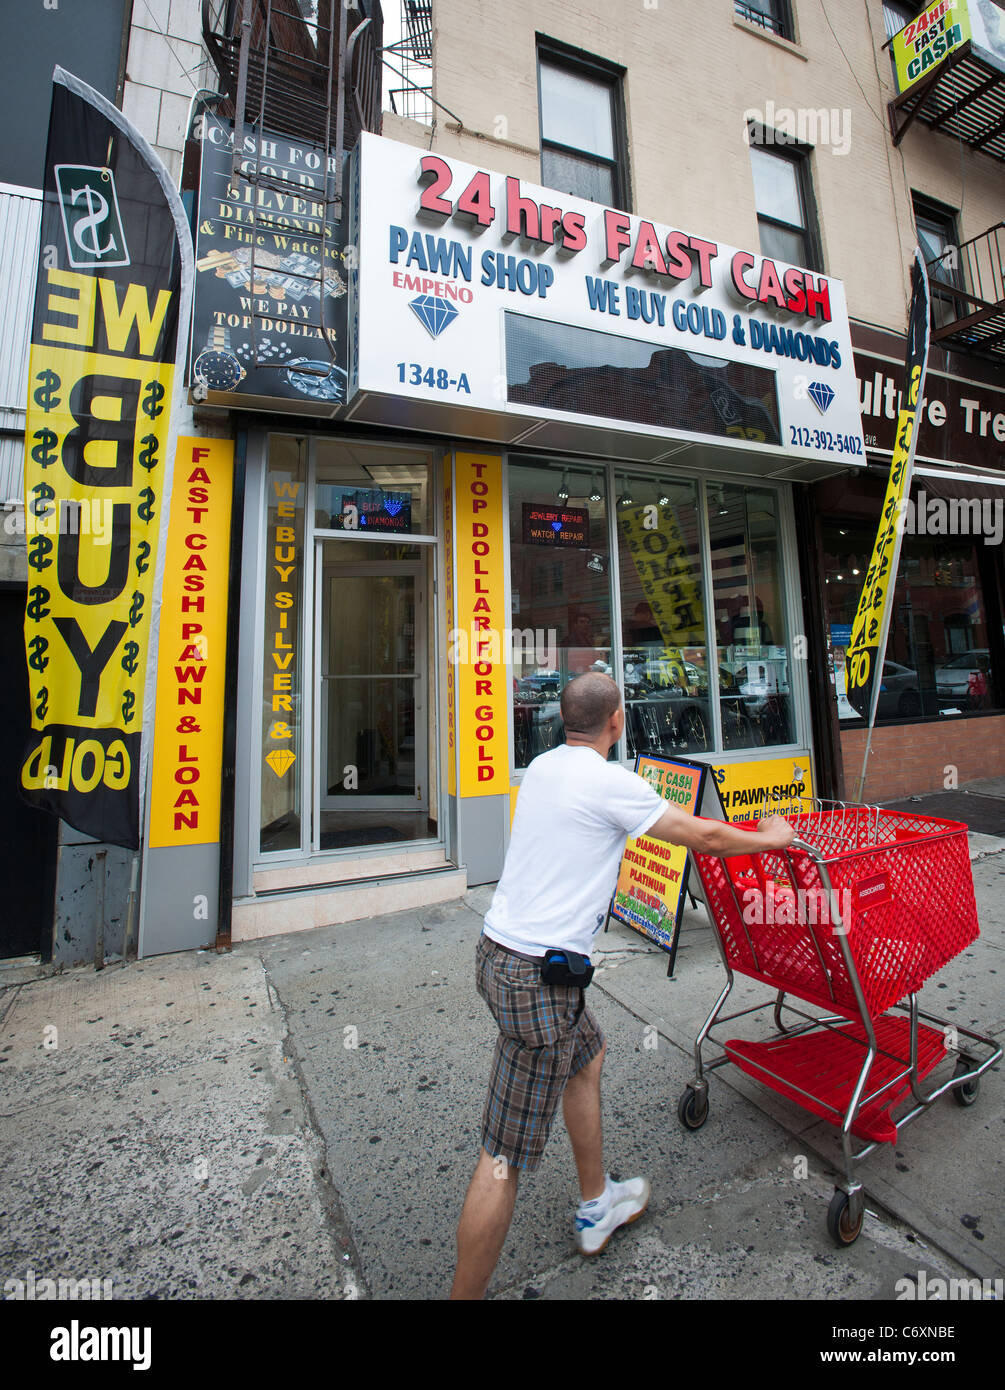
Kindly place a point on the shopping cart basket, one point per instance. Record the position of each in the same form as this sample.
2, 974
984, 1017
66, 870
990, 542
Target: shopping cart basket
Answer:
864, 906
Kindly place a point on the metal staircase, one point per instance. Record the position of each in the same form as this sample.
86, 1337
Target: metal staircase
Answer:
307, 71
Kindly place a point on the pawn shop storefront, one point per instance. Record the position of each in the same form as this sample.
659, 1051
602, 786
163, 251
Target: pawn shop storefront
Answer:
416, 615
570, 441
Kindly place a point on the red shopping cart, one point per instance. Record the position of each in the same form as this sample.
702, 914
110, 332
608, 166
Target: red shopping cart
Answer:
863, 908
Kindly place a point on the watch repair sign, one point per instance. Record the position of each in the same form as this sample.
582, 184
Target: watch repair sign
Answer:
113, 287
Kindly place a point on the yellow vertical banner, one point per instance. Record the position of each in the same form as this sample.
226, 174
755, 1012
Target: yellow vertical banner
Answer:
658, 549
867, 648
477, 648
192, 653
448, 550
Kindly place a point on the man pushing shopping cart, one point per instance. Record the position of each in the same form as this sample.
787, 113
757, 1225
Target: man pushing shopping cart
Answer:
573, 814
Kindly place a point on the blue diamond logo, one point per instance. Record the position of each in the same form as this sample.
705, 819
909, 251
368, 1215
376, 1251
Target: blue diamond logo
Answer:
435, 314
821, 395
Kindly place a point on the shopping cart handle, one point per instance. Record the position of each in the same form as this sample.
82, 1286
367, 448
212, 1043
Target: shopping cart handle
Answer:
807, 848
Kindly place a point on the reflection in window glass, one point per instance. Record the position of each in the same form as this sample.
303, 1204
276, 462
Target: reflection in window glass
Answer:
776, 187
662, 618
372, 491
755, 699
781, 208
560, 585
578, 175
938, 654
576, 110
769, 14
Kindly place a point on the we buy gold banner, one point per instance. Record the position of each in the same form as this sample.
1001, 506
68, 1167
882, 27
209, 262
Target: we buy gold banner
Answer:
113, 284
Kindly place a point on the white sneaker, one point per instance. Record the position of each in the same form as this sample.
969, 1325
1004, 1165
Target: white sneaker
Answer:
628, 1201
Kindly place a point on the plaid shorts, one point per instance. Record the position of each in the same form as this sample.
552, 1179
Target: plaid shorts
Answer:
545, 1036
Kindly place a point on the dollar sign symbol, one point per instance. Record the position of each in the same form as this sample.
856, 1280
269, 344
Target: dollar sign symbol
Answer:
155, 394
38, 660
37, 551
45, 394
128, 700
148, 456
129, 662
43, 496
97, 211
145, 510
142, 554
44, 451
135, 609
42, 703
35, 607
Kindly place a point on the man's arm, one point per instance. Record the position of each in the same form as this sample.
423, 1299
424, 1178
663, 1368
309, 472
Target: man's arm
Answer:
716, 837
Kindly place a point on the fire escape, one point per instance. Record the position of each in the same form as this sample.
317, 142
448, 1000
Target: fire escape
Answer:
309, 71
963, 96
970, 283
413, 62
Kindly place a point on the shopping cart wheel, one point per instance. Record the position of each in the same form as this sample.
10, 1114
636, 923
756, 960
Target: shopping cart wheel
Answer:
691, 1111
967, 1094
843, 1230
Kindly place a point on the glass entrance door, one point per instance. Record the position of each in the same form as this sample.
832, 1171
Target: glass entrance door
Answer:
372, 702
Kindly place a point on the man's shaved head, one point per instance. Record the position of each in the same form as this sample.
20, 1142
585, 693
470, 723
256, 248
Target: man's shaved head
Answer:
588, 702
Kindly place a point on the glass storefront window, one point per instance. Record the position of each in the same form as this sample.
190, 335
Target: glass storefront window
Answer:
937, 656
561, 586
561, 593
755, 696
371, 490
665, 659
284, 636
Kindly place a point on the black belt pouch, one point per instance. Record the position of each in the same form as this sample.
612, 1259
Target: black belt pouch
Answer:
566, 968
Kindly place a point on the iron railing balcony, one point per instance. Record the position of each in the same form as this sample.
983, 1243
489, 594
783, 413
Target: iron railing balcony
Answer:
310, 73
771, 15
967, 285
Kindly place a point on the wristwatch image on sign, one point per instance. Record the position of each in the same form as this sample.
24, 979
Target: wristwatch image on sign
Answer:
323, 381
216, 367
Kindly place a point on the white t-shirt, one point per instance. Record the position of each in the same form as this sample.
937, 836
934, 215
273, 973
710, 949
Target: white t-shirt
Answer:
572, 816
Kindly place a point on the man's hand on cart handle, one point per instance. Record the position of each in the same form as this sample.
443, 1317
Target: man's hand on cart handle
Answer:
716, 837
777, 831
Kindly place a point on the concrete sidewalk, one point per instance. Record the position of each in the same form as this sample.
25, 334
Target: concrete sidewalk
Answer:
299, 1118
980, 805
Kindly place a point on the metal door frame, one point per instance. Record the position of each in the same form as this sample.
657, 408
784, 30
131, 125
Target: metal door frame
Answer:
361, 569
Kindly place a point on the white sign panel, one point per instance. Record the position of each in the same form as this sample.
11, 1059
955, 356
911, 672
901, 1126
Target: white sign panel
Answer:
478, 289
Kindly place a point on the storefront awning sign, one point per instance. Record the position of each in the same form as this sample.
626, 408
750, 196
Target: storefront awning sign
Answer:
477, 291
